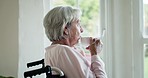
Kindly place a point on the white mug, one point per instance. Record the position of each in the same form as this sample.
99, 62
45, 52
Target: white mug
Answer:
85, 41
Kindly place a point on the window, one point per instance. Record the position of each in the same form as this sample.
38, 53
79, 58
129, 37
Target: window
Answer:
145, 16
141, 38
145, 36
137, 11
145, 61
90, 19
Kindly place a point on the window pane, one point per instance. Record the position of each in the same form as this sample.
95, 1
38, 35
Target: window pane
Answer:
146, 61
145, 9
90, 20
64, 2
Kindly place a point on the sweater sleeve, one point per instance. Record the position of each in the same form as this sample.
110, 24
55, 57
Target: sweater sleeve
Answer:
98, 67
76, 67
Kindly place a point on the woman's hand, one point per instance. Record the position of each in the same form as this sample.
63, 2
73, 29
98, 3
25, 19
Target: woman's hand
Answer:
95, 46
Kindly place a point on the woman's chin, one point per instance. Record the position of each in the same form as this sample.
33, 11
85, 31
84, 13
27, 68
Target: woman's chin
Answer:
76, 41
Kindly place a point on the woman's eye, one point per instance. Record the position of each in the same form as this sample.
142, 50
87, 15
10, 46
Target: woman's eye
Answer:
78, 23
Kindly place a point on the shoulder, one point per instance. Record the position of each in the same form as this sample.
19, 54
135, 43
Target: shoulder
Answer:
64, 49
59, 48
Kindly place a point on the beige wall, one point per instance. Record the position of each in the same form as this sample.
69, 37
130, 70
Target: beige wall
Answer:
21, 35
9, 37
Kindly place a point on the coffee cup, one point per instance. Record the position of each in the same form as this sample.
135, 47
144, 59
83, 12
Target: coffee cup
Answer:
85, 41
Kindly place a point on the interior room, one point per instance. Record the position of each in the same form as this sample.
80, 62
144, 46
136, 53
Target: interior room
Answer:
125, 41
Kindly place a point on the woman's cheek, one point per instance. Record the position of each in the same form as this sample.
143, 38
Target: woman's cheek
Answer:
78, 31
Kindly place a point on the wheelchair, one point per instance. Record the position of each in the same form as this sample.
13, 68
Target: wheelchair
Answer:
43, 70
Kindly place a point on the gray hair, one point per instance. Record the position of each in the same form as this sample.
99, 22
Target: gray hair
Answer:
56, 20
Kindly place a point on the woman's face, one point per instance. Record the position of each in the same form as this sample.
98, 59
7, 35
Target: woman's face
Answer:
75, 30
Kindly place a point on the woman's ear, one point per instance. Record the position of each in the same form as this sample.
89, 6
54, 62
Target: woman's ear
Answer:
65, 31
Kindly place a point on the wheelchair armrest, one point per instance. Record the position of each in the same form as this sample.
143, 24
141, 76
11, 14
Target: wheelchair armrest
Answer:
35, 72
36, 63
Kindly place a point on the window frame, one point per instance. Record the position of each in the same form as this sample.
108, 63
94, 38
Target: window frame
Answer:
106, 23
137, 44
138, 39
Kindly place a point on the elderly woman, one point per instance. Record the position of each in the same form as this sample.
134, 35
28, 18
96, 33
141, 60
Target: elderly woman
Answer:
63, 29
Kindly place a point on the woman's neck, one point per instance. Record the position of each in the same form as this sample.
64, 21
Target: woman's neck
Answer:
63, 42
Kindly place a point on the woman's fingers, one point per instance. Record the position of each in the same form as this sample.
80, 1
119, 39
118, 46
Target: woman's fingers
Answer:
95, 46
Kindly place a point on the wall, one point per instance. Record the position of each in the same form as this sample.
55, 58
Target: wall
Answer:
31, 34
122, 38
9, 10
21, 35
120, 51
